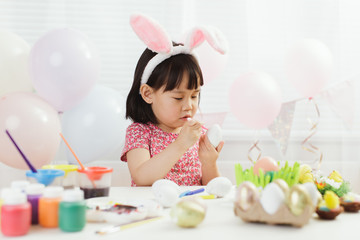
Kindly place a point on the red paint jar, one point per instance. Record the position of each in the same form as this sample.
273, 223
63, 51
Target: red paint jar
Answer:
15, 214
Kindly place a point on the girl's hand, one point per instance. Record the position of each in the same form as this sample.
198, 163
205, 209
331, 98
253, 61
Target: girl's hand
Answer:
208, 154
190, 133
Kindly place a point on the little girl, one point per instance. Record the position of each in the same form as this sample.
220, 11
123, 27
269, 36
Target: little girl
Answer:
165, 141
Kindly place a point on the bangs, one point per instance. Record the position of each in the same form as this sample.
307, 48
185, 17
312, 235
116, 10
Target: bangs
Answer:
171, 72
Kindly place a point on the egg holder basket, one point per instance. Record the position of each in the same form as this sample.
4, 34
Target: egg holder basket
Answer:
283, 216
350, 206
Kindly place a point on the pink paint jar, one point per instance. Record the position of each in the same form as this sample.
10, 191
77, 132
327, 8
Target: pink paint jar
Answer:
15, 213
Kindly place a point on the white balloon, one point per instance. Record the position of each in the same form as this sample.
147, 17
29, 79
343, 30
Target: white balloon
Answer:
309, 66
96, 126
14, 70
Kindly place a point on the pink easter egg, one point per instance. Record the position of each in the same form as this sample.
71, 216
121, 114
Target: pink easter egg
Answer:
266, 164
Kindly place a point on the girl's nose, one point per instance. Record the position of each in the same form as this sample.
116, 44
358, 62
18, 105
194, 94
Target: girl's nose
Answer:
187, 104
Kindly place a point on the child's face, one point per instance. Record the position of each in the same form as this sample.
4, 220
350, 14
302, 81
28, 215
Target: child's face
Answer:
172, 108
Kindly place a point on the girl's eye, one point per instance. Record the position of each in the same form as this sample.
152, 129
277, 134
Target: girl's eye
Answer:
178, 99
194, 96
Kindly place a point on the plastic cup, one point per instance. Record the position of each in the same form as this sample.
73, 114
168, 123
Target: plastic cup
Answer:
70, 179
48, 177
95, 181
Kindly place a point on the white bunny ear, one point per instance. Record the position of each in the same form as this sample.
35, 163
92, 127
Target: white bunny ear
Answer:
213, 35
151, 33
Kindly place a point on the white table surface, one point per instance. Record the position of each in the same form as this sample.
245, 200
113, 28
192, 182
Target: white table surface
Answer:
220, 223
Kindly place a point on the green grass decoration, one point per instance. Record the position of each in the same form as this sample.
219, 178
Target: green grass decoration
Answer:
341, 191
287, 173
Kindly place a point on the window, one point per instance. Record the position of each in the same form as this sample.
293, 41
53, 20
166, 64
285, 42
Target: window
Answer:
259, 33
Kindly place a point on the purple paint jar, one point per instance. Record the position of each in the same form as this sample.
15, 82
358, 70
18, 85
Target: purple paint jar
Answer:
34, 192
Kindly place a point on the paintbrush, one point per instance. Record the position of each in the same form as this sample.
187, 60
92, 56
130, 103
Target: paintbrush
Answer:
119, 227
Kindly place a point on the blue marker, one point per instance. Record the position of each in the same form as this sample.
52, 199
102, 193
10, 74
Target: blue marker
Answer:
188, 193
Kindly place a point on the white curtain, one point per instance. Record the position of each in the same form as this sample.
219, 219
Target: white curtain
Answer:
259, 33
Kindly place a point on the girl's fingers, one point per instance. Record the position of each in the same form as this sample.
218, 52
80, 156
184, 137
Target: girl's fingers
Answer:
220, 146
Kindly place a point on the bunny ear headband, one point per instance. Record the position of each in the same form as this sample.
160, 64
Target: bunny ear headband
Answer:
157, 40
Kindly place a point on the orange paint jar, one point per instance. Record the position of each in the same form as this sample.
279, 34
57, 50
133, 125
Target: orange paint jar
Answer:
49, 206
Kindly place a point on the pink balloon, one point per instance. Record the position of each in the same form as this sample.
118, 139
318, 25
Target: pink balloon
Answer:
211, 62
309, 66
255, 99
64, 66
35, 127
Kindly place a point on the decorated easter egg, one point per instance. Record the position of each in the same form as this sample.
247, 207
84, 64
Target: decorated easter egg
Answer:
272, 197
219, 186
246, 195
214, 134
189, 212
313, 193
266, 164
298, 199
282, 184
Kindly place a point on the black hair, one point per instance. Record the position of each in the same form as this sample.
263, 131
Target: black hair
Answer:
168, 73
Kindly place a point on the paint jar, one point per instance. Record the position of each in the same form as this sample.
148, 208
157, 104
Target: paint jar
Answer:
72, 211
34, 191
20, 184
49, 206
15, 213
70, 179
95, 181
48, 177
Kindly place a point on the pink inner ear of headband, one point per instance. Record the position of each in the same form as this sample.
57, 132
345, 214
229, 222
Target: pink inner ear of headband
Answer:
151, 33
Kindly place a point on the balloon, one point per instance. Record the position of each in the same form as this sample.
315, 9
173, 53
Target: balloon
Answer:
35, 127
255, 99
14, 71
96, 126
64, 66
211, 62
309, 66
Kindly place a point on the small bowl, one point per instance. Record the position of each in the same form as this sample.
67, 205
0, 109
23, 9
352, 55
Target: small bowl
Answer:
53, 177
70, 179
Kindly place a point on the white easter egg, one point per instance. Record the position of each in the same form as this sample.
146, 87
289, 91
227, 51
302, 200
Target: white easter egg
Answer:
272, 197
164, 182
166, 195
313, 193
214, 134
219, 186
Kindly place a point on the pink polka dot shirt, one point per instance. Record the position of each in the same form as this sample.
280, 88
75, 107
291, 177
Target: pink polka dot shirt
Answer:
187, 170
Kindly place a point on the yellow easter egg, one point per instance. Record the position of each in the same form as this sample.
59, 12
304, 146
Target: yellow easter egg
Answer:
331, 200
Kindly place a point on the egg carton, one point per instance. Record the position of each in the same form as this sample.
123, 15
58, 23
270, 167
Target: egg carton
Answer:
283, 216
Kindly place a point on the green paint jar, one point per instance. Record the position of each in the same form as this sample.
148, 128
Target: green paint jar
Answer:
72, 211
